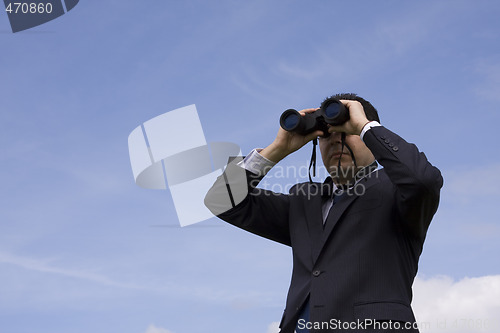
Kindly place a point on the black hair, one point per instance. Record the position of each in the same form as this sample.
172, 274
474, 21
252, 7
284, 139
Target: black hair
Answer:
370, 111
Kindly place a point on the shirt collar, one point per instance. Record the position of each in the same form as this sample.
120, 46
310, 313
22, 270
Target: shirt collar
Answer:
329, 187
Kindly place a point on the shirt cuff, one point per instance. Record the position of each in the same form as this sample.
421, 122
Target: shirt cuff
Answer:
256, 163
367, 127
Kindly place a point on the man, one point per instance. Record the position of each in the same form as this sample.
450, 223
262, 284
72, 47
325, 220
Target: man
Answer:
356, 238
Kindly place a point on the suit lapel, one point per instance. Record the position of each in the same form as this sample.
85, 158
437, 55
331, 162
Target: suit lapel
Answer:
338, 210
333, 218
314, 217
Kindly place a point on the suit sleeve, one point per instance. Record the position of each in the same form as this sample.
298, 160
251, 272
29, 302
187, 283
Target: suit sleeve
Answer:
417, 181
235, 198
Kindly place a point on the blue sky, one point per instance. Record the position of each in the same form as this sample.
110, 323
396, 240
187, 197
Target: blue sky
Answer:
83, 249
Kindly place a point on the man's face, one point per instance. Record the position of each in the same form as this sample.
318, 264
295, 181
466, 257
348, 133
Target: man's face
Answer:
330, 148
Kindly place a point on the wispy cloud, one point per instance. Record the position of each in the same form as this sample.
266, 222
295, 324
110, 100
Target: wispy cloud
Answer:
323, 63
155, 329
45, 266
187, 289
340, 59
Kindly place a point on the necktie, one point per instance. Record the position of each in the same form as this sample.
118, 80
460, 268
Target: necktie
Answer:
329, 203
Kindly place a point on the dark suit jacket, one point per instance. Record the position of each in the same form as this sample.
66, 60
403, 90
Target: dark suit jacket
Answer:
362, 264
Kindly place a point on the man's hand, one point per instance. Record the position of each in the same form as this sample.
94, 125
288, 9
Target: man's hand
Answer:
357, 119
288, 142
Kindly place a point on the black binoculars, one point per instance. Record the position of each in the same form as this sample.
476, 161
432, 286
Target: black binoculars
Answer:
331, 112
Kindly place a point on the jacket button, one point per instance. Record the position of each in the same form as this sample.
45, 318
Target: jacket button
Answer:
387, 141
316, 273
382, 137
395, 148
391, 144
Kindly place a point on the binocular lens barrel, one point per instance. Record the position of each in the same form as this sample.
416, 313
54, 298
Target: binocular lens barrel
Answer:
290, 119
332, 110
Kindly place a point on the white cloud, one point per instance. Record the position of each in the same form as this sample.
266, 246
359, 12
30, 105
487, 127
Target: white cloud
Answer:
154, 329
470, 305
273, 327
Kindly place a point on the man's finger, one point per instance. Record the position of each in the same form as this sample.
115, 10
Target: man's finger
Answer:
304, 111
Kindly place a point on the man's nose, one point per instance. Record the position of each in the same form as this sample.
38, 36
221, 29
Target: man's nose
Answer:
335, 137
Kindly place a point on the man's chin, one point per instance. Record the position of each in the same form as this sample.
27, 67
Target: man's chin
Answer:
345, 172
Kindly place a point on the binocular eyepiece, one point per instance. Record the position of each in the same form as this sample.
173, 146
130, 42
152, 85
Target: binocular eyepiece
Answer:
331, 112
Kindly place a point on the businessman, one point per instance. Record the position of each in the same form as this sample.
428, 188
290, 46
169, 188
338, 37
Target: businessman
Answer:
356, 238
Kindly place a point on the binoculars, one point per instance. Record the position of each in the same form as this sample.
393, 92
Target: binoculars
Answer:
331, 112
